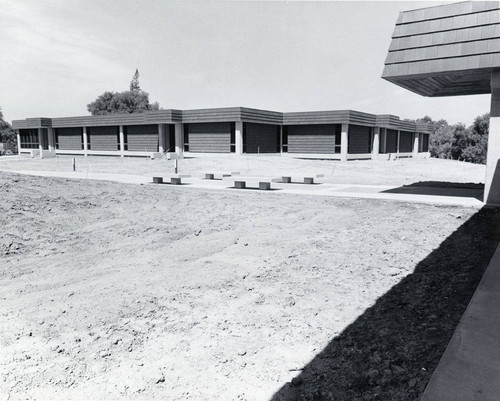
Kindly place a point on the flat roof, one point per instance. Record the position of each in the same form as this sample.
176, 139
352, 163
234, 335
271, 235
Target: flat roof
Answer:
228, 114
445, 50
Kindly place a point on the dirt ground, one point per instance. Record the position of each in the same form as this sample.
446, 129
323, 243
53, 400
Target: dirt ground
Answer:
123, 291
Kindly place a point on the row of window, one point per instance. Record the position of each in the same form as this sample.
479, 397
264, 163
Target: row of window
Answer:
389, 144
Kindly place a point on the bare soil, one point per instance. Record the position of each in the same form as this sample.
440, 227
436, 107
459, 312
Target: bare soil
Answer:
122, 291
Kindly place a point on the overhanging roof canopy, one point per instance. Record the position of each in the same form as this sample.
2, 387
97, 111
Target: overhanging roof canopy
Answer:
446, 50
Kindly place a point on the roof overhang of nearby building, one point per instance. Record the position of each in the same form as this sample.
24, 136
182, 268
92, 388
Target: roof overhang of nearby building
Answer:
446, 50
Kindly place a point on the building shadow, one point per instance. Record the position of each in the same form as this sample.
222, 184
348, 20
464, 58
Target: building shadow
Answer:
441, 188
390, 352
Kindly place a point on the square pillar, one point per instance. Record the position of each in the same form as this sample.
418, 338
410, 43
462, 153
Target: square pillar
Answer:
492, 182
161, 138
238, 137
344, 142
416, 137
85, 141
40, 141
179, 139
281, 139
18, 142
52, 142
397, 143
122, 142
376, 142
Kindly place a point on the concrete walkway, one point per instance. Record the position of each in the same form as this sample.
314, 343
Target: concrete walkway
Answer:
322, 189
469, 369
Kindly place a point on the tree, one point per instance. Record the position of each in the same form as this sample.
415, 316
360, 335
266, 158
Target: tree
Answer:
134, 100
441, 139
459, 142
476, 146
7, 134
134, 84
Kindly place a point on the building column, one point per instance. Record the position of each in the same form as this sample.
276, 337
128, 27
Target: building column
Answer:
281, 139
85, 141
416, 136
179, 139
161, 138
122, 142
238, 136
18, 142
344, 142
397, 141
52, 142
376, 142
40, 141
492, 182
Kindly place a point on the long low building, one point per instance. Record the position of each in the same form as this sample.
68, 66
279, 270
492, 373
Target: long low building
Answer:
340, 134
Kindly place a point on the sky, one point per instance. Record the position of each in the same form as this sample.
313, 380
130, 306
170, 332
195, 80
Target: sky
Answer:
59, 55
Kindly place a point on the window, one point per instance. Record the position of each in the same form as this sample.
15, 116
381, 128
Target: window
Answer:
284, 144
186, 137
233, 138
29, 138
338, 138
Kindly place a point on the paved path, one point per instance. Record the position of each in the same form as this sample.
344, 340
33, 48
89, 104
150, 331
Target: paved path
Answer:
324, 189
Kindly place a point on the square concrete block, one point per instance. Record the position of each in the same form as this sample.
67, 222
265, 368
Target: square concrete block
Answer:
209, 176
265, 186
240, 184
175, 181
308, 180
286, 180
157, 180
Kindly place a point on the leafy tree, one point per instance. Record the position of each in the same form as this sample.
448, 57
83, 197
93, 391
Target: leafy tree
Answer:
134, 100
441, 139
459, 142
476, 146
7, 134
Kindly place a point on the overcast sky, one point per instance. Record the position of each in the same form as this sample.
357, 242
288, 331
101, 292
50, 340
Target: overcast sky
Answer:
57, 56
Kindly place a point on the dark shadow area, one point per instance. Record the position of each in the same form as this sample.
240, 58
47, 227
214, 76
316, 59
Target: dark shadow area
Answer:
441, 188
317, 158
168, 183
298, 183
391, 351
256, 189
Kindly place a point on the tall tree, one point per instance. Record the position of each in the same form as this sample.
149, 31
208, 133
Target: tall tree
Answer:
134, 84
134, 100
7, 134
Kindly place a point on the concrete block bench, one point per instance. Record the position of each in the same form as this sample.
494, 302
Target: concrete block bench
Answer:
263, 185
173, 180
288, 180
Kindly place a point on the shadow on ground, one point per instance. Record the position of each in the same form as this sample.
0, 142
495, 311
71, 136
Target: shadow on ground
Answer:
441, 188
390, 352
